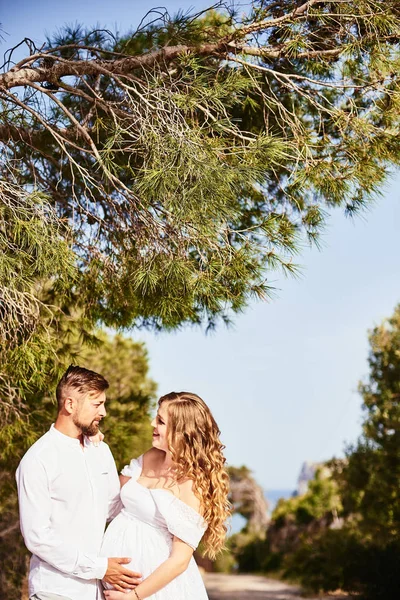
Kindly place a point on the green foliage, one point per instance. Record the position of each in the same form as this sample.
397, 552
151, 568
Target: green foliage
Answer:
292, 520
250, 553
322, 498
381, 393
188, 179
342, 559
321, 562
359, 551
166, 192
127, 426
37, 267
371, 481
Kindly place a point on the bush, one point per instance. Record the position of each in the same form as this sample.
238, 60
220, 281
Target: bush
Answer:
319, 562
322, 498
339, 559
379, 570
251, 557
272, 562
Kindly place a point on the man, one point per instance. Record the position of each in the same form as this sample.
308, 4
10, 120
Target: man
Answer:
67, 488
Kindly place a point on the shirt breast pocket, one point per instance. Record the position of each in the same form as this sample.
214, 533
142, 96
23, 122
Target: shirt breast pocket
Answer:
102, 481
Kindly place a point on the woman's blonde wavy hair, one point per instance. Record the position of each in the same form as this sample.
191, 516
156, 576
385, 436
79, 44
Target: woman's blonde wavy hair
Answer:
193, 440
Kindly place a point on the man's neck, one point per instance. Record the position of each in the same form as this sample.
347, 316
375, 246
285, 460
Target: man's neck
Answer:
67, 427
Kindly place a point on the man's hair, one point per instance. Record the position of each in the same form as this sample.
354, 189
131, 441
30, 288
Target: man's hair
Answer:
81, 380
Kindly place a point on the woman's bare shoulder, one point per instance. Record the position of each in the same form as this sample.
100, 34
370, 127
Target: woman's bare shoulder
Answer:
188, 496
153, 457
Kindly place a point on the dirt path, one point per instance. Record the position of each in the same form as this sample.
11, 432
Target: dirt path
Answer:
250, 587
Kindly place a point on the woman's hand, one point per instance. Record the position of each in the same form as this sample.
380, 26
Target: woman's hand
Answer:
114, 595
96, 439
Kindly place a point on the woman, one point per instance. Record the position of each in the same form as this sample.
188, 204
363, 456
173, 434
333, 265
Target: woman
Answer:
173, 496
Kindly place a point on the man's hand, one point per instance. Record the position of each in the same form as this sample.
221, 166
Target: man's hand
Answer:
118, 576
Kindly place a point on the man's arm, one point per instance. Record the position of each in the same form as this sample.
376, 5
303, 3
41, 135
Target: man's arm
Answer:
41, 540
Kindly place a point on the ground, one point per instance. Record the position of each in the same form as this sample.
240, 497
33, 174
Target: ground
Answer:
251, 587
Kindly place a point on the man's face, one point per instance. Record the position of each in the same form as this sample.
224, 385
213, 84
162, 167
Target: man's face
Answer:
89, 411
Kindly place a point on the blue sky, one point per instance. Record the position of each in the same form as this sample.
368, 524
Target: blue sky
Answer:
282, 382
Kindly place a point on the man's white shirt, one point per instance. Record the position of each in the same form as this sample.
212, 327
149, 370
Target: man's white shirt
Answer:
66, 494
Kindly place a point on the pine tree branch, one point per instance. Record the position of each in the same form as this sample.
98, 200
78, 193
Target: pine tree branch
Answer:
264, 52
268, 23
33, 137
32, 69
171, 163
64, 68
9, 529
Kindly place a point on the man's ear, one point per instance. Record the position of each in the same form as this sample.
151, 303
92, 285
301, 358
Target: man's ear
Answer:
70, 404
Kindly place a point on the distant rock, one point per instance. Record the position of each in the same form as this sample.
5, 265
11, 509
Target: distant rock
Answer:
307, 473
248, 499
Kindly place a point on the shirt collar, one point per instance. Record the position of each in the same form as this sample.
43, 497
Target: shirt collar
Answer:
66, 439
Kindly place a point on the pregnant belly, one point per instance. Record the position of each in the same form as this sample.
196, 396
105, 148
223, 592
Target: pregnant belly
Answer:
145, 545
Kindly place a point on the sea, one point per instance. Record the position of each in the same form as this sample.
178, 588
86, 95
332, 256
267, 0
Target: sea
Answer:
272, 497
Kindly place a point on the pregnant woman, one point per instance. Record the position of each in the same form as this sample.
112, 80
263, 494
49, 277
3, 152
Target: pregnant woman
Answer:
173, 496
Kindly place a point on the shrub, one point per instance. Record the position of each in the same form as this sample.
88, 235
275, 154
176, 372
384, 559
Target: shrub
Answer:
340, 559
251, 555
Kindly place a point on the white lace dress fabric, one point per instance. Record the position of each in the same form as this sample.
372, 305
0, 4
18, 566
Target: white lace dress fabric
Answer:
144, 530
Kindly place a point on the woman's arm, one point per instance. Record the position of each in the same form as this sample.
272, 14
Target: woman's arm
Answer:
174, 566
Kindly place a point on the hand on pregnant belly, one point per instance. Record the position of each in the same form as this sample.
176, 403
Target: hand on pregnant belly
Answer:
119, 577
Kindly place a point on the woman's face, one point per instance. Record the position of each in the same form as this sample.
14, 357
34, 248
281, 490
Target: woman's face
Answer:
160, 424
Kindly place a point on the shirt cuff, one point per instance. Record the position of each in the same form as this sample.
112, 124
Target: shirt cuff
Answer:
101, 567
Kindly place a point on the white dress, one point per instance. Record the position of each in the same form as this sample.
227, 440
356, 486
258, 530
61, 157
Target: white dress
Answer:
144, 530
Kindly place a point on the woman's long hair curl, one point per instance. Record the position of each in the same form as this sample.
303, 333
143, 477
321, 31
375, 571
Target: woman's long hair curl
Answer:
193, 439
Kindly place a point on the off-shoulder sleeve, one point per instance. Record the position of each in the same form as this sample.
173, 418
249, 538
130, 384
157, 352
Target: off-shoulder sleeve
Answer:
134, 468
182, 521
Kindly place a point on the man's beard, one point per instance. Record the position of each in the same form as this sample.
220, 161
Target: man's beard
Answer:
87, 430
